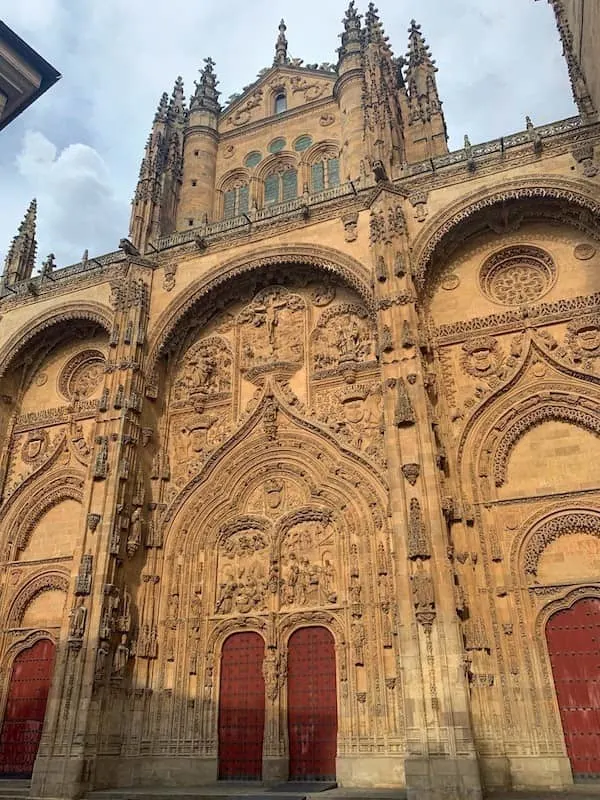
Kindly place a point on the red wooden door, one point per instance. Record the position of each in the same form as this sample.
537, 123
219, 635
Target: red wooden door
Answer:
241, 707
574, 645
25, 708
312, 705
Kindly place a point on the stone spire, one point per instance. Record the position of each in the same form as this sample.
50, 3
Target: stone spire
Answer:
281, 47
425, 107
176, 110
382, 100
155, 199
206, 95
20, 259
352, 35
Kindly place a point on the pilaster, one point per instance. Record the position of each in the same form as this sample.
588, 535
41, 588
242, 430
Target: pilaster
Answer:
440, 756
97, 648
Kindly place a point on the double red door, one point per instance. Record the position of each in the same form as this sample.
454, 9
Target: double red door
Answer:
241, 708
574, 646
25, 708
312, 705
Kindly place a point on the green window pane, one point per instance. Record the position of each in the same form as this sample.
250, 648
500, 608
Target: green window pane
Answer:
243, 199
253, 159
333, 172
302, 143
318, 177
289, 180
277, 145
229, 204
271, 190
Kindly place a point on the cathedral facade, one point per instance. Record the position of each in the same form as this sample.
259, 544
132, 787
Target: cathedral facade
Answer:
301, 481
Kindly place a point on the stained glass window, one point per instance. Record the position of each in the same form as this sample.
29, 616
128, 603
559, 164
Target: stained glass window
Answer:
325, 174
281, 186
236, 201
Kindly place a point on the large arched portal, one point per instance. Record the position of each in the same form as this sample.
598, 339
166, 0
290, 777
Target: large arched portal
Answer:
241, 707
573, 637
312, 704
25, 709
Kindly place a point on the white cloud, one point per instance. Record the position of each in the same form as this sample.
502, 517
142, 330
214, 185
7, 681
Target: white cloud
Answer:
497, 62
77, 207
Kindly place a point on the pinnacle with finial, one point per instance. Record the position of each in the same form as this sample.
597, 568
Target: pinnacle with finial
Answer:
351, 37
206, 94
161, 111
20, 259
418, 50
177, 101
281, 46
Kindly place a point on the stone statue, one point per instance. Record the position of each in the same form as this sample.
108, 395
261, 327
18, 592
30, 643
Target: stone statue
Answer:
121, 656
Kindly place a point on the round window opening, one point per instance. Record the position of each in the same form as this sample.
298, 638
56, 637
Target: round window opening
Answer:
81, 375
517, 275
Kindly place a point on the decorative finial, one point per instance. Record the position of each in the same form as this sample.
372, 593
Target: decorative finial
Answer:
20, 259
281, 47
352, 31
418, 51
177, 102
206, 94
161, 111
48, 266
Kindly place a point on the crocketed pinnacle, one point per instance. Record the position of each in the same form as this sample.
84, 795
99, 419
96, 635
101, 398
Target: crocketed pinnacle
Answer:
20, 259
351, 37
281, 47
177, 102
206, 95
418, 54
374, 33
163, 106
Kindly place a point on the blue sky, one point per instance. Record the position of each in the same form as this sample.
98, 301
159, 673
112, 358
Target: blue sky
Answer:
78, 149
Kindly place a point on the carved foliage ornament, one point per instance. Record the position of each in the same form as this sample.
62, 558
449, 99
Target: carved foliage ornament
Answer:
573, 522
517, 275
82, 374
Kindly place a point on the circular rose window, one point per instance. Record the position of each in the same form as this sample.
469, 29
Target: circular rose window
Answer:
517, 275
82, 375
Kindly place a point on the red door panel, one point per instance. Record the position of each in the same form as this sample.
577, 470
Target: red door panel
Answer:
241, 708
574, 646
312, 705
25, 708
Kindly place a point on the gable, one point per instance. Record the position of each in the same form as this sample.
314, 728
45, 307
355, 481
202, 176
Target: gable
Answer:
300, 86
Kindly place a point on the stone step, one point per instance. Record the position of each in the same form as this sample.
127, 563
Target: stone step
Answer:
237, 791
14, 788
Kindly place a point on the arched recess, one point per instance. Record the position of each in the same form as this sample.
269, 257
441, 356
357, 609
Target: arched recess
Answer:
274, 530
34, 498
516, 406
526, 199
198, 300
558, 546
39, 326
54, 580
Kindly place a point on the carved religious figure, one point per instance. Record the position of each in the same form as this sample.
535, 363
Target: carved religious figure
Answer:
344, 336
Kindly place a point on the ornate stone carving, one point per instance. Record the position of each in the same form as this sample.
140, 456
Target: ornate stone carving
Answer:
517, 275
350, 223
205, 374
121, 657
423, 597
583, 339
35, 446
584, 251
419, 545
82, 374
404, 414
482, 358
83, 584
101, 459
344, 338
272, 334
562, 525
78, 617
411, 473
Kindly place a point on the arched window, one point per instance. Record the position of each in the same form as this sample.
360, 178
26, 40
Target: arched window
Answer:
280, 102
236, 200
281, 186
325, 174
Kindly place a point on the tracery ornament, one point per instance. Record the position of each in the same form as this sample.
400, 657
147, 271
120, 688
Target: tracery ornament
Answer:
206, 373
42, 583
82, 374
271, 330
573, 522
517, 275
